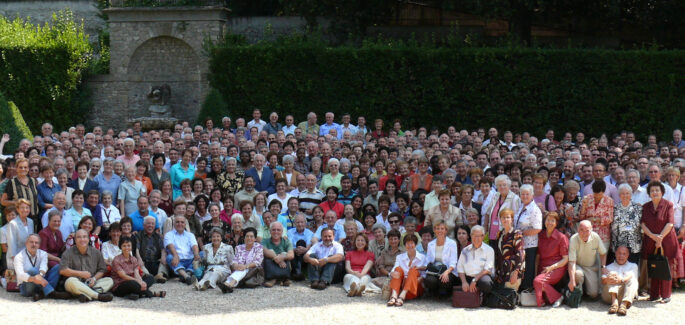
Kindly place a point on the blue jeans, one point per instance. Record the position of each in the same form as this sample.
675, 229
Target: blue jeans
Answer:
27, 289
317, 273
183, 264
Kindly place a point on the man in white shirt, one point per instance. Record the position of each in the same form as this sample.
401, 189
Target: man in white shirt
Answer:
476, 263
33, 277
257, 121
182, 251
289, 127
325, 258
620, 283
639, 195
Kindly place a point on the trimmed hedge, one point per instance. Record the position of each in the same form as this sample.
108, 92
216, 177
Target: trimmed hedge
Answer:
12, 123
594, 91
214, 107
41, 68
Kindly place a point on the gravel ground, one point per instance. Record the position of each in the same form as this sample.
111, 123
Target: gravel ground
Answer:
299, 304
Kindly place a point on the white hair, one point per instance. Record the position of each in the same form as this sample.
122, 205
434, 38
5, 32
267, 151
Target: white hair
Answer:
237, 216
527, 188
625, 187
477, 228
503, 178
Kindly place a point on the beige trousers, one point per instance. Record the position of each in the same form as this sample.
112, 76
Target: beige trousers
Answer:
76, 287
625, 292
588, 278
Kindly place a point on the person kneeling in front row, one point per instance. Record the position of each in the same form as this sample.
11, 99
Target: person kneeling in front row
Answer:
84, 267
620, 283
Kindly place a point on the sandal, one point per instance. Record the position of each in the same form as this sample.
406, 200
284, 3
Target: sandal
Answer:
399, 302
392, 302
622, 311
613, 309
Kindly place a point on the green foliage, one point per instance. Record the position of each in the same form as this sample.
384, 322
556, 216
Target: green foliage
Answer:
214, 107
41, 68
12, 123
513, 88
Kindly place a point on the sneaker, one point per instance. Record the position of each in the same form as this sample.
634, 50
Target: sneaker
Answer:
558, 302
84, 298
159, 278
59, 295
38, 296
315, 284
269, 283
285, 283
224, 288
353, 290
105, 297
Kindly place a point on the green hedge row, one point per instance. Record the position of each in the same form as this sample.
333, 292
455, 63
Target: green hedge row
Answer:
41, 69
596, 91
12, 123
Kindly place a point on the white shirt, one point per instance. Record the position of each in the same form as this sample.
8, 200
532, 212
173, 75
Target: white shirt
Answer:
22, 264
640, 196
82, 183
474, 260
110, 215
385, 223
323, 251
678, 200
623, 270
284, 202
403, 262
342, 222
289, 129
259, 125
183, 243
449, 254
162, 216
110, 251
526, 218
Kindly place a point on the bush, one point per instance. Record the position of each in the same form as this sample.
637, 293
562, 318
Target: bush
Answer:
214, 107
41, 68
12, 123
595, 91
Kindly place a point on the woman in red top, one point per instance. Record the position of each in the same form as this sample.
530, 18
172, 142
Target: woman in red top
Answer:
553, 254
358, 265
657, 226
126, 275
331, 203
51, 238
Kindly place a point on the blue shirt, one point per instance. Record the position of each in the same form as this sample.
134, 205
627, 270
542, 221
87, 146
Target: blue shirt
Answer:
76, 217
287, 222
111, 185
325, 129
289, 129
138, 220
295, 236
339, 231
46, 193
183, 243
178, 174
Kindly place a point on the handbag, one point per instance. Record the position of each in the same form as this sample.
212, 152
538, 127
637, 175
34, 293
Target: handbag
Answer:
573, 298
254, 278
11, 279
502, 298
435, 269
658, 267
528, 298
461, 299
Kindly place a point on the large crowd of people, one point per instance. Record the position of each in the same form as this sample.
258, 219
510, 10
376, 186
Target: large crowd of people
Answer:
381, 209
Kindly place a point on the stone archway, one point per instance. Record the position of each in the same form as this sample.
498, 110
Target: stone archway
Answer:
165, 60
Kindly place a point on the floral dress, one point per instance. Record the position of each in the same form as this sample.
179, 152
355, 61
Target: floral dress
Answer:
508, 255
626, 229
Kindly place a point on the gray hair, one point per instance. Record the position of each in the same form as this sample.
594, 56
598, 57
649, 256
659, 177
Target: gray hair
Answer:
53, 213
477, 228
527, 188
288, 159
625, 187
379, 226
60, 172
410, 220
571, 184
156, 191
315, 159
149, 217
470, 210
129, 140
93, 161
503, 178
108, 160
237, 216
107, 193
633, 171
334, 160
216, 230
229, 159
449, 172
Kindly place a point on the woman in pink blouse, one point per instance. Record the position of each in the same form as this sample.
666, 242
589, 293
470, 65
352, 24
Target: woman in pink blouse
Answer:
599, 209
247, 262
126, 275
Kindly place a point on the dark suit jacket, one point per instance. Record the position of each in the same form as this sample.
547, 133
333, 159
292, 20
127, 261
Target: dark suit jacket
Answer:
266, 183
90, 185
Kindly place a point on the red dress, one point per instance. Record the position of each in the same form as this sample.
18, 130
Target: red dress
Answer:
656, 220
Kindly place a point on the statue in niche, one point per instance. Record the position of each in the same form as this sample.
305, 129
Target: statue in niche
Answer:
159, 95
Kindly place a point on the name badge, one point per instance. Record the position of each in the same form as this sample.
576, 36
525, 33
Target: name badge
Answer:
495, 223
628, 228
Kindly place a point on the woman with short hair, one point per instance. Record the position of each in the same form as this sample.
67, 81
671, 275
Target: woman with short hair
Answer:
126, 275
217, 259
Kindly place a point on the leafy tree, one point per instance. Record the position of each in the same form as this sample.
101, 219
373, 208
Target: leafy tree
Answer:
12, 123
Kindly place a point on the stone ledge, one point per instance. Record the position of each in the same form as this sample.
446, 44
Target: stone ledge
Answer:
156, 14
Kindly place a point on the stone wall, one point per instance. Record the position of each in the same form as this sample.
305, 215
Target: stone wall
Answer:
41, 12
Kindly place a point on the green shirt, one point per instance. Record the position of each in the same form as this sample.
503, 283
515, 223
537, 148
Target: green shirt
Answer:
284, 247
